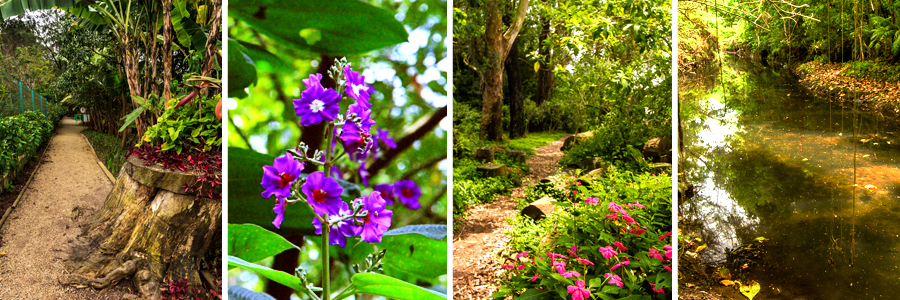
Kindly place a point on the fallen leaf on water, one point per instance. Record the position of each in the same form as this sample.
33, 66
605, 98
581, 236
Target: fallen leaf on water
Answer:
701, 248
744, 266
724, 273
750, 290
727, 282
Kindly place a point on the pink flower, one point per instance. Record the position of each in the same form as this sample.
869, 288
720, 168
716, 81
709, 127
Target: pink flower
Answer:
659, 291
508, 266
573, 253
614, 279
560, 266
667, 268
668, 251
659, 256
521, 254
592, 200
615, 207
584, 261
624, 263
535, 277
574, 248
614, 216
665, 235
607, 251
638, 205
578, 291
570, 274
521, 267
620, 246
628, 218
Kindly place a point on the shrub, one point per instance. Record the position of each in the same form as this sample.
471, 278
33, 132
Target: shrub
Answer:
22, 135
615, 239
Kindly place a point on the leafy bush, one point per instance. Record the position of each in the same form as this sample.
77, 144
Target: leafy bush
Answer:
108, 150
470, 188
22, 135
466, 128
626, 216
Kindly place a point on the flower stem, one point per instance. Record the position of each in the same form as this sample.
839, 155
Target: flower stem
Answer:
326, 263
329, 131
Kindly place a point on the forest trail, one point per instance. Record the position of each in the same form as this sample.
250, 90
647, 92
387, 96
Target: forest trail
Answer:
66, 190
482, 234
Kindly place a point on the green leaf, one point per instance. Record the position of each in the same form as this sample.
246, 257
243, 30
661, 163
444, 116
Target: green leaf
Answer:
242, 71
344, 26
283, 278
381, 285
18, 7
533, 294
179, 12
413, 257
131, 117
437, 232
253, 243
237, 292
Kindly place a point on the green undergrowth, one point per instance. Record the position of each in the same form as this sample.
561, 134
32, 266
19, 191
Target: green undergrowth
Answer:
534, 140
872, 70
108, 150
470, 187
591, 214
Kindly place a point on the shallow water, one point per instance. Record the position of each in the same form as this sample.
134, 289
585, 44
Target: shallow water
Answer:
820, 181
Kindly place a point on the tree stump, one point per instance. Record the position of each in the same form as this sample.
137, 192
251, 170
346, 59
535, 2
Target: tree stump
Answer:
516, 155
658, 150
539, 209
485, 155
148, 223
492, 170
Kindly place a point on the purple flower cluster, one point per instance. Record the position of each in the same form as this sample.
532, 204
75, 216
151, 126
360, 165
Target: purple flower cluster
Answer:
406, 191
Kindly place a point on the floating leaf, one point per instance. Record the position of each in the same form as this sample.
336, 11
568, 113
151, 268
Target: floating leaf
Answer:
701, 248
750, 290
727, 282
760, 239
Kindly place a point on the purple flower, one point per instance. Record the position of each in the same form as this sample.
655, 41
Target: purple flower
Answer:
316, 104
323, 193
364, 173
578, 291
607, 251
355, 133
387, 192
336, 173
340, 230
278, 178
279, 208
409, 193
614, 279
377, 220
357, 87
384, 137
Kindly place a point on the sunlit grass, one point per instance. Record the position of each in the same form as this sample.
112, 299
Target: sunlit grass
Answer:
534, 140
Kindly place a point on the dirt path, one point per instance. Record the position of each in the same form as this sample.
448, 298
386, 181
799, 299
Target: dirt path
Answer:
67, 189
481, 235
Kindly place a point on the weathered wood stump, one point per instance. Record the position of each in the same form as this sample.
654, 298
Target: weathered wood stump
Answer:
492, 170
148, 226
485, 155
576, 139
539, 209
658, 150
516, 155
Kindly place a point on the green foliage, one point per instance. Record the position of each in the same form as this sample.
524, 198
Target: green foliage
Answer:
466, 128
22, 135
193, 126
470, 187
533, 141
587, 227
108, 149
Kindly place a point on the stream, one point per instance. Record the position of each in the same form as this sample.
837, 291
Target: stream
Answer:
820, 181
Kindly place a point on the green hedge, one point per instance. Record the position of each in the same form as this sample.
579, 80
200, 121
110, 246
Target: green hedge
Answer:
23, 134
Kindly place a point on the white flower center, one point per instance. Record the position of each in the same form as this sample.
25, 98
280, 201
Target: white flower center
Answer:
357, 87
317, 106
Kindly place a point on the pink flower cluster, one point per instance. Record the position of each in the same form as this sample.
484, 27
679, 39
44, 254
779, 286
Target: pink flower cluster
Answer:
617, 210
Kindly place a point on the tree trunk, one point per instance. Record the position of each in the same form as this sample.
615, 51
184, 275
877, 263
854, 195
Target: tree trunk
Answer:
545, 75
167, 51
147, 223
492, 98
516, 99
209, 62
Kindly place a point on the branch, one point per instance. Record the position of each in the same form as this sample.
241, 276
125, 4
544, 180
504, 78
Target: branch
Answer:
426, 165
407, 141
510, 36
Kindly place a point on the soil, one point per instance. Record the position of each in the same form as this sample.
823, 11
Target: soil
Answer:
482, 236
67, 189
7, 198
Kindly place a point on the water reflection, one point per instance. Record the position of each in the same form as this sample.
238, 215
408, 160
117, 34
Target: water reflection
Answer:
769, 159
